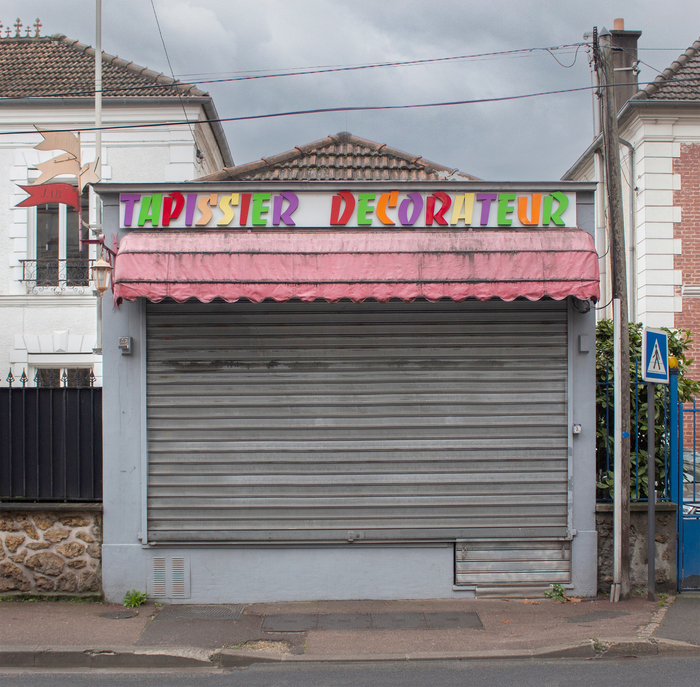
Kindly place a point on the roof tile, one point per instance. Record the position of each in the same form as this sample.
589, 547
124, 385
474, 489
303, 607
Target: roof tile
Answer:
342, 157
56, 66
681, 81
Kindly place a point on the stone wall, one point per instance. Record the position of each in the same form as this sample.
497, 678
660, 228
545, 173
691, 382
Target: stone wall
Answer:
50, 552
666, 575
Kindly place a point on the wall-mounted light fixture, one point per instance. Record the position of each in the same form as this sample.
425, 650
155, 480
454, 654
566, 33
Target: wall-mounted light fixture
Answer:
101, 274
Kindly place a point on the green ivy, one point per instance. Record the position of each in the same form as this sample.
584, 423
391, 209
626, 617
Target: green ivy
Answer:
679, 342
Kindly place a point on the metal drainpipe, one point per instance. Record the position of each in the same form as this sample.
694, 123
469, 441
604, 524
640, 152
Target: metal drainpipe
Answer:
601, 221
632, 232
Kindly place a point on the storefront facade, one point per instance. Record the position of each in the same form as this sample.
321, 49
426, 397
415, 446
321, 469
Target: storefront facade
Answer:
349, 390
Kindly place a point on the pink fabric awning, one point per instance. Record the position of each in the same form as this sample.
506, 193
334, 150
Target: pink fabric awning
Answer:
357, 265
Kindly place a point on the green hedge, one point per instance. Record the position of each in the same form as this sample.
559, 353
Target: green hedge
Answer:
678, 346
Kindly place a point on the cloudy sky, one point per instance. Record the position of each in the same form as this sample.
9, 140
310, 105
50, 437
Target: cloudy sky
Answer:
528, 139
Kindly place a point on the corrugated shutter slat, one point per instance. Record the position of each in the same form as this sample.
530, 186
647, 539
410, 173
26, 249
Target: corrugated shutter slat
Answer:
373, 421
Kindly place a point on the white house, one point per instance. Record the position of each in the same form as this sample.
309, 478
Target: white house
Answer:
660, 152
47, 307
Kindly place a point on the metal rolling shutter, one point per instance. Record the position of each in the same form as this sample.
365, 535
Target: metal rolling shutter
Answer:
503, 566
318, 422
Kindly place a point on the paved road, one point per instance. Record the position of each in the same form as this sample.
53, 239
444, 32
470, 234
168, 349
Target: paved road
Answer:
635, 672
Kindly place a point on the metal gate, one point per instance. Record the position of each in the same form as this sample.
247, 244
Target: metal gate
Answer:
334, 423
689, 501
50, 443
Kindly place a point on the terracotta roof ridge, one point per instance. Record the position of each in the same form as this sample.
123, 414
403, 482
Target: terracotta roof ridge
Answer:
336, 139
236, 170
342, 138
26, 39
157, 77
675, 67
418, 160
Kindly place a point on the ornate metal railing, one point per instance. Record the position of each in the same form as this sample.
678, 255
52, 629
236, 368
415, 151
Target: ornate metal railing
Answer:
51, 274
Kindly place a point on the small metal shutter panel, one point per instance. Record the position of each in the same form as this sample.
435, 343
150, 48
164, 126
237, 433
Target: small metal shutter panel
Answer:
505, 565
318, 422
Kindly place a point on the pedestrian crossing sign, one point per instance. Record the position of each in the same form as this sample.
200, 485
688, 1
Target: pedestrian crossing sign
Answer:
655, 356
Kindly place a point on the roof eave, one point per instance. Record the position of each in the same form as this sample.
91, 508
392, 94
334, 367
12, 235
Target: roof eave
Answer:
218, 131
634, 104
207, 103
579, 164
44, 101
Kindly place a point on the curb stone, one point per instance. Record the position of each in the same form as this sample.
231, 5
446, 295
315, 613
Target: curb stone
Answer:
89, 657
187, 657
655, 620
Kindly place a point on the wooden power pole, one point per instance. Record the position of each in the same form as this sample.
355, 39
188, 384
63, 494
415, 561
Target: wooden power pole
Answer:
616, 243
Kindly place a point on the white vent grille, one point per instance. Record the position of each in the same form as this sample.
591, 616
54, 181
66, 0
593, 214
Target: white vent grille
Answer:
178, 578
158, 588
170, 577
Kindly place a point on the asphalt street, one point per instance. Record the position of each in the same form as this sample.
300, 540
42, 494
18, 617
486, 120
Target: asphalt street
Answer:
637, 672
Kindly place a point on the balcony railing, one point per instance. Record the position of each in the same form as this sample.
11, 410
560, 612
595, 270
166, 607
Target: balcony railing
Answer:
51, 274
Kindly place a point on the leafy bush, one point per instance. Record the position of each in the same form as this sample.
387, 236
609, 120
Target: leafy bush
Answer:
556, 592
134, 598
678, 345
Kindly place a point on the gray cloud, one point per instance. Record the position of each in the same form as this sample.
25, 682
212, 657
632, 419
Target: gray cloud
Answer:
536, 138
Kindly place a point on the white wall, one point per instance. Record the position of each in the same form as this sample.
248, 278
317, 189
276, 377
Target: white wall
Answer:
157, 154
656, 146
656, 135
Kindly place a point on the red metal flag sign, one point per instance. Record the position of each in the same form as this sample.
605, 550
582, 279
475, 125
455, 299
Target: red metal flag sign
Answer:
50, 193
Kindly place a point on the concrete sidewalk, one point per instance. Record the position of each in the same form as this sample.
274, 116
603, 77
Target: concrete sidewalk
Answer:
64, 634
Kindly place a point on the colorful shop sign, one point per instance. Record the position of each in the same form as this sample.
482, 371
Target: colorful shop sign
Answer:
347, 209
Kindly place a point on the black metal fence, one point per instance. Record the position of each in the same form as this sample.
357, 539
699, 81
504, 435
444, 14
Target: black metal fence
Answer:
51, 443
605, 412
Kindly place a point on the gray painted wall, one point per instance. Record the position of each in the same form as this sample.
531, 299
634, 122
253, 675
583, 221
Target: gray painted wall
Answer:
584, 545
255, 574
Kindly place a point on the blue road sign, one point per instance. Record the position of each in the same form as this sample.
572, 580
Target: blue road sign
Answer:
655, 356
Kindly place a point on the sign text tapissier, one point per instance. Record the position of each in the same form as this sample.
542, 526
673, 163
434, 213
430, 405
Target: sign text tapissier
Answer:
341, 209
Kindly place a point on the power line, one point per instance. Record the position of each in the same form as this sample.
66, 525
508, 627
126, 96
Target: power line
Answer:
167, 57
306, 72
522, 52
325, 110
292, 113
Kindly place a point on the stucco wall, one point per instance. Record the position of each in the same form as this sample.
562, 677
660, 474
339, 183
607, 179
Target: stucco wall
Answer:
235, 574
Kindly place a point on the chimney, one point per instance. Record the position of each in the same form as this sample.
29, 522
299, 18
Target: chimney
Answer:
624, 62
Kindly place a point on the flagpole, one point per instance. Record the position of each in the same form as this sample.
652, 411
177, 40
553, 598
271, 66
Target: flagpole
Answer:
97, 229
98, 109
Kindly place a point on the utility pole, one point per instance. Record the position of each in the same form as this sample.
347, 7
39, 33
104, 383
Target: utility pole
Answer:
616, 243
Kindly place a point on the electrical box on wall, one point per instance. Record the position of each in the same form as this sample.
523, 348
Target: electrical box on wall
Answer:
125, 345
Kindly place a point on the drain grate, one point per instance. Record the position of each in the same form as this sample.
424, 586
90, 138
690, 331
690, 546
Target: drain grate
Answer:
595, 615
119, 615
200, 612
304, 622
